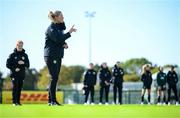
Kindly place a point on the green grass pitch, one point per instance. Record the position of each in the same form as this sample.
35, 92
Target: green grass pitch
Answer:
82, 111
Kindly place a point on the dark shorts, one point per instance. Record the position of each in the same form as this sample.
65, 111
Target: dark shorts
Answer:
146, 87
162, 88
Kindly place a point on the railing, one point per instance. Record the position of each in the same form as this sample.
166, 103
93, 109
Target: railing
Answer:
128, 97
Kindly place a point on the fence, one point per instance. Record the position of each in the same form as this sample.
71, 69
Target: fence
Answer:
128, 97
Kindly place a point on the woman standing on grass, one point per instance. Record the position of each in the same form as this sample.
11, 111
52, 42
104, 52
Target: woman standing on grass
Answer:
105, 77
146, 78
161, 82
172, 80
17, 62
54, 50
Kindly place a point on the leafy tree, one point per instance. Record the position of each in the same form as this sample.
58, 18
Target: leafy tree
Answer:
169, 65
76, 73
43, 78
31, 78
131, 77
7, 84
96, 67
134, 65
67, 76
30, 81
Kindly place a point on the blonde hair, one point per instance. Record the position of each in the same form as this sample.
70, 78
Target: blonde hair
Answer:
19, 41
52, 15
143, 70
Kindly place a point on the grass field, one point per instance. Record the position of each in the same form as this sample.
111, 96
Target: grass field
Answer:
96, 111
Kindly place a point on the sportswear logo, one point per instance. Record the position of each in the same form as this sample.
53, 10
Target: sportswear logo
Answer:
54, 61
162, 78
23, 58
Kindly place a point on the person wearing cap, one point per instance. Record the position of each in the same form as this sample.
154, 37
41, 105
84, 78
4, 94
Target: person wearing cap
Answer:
117, 81
161, 83
89, 82
54, 50
105, 77
146, 78
172, 80
17, 63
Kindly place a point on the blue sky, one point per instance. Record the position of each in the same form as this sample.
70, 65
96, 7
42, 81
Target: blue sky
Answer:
121, 29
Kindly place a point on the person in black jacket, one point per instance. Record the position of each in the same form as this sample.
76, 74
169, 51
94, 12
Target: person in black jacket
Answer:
54, 50
118, 74
89, 83
161, 82
1, 86
17, 62
172, 80
105, 77
146, 78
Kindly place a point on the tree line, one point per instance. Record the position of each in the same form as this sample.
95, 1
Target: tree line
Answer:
74, 74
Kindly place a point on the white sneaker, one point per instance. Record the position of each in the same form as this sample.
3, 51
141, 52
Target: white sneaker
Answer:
14, 104
158, 103
85, 103
100, 103
169, 103
149, 103
142, 103
119, 103
92, 103
106, 103
164, 103
177, 103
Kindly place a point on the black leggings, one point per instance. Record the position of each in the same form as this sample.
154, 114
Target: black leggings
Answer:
54, 66
16, 90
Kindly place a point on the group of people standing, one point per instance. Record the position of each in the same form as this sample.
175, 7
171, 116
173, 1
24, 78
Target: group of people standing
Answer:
53, 53
164, 82
106, 79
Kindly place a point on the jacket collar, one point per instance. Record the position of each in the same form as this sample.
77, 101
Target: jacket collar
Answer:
15, 50
60, 26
